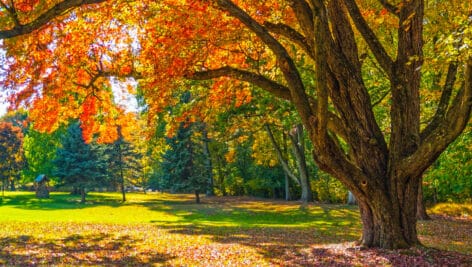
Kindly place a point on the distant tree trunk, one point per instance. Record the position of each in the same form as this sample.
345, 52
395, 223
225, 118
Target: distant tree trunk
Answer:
287, 188
421, 209
120, 164
221, 175
351, 199
298, 147
284, 163
75, 191
12, 185
82, 194
197, 197
208, 164
3, 186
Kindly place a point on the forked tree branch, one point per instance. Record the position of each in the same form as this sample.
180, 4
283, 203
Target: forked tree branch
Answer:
444, 101
292, 35
450, 126
369, 36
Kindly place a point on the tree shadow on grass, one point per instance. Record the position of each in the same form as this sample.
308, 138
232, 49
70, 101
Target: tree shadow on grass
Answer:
281, 237
95, 250
66, 201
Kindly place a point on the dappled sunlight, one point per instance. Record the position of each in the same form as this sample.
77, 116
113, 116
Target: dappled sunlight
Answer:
172, 230
453, 209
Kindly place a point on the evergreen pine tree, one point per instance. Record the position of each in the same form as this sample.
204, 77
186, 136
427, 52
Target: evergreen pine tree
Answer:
183, 165
77, 163
122, 161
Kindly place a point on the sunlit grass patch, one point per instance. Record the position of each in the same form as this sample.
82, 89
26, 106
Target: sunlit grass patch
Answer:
453, 209
171, 230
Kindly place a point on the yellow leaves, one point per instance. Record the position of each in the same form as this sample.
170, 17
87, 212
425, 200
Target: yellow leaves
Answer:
230, 156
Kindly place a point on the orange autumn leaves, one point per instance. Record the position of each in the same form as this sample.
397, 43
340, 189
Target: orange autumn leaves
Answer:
63, 70
25, 5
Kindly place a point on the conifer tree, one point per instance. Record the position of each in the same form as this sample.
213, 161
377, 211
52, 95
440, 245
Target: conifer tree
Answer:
77, 163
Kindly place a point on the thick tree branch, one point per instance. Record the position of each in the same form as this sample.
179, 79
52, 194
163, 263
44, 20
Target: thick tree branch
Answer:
334, 122
291, 34
268, 85
305, 18
369, 36
53, 12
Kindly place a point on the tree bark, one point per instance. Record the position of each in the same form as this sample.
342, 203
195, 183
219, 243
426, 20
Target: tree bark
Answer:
388, 224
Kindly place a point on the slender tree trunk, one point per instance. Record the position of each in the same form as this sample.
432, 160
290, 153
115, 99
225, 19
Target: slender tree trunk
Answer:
287, 188
197, 197
12, 185
284, 163
421, 209
82, 194
221, 175
298, 148
208, 164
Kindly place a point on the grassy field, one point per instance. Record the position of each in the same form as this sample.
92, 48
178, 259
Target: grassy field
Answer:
170, 230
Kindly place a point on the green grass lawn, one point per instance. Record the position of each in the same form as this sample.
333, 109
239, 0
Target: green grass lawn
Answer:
165, 229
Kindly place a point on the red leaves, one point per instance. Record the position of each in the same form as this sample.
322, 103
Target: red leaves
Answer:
25, 5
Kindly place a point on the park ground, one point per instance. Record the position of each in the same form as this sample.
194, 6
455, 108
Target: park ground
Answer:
170, 230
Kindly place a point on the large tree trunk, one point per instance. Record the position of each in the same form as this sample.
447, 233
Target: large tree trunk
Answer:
389, 218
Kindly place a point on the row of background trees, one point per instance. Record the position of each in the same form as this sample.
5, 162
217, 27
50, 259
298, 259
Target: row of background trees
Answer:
263, 161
